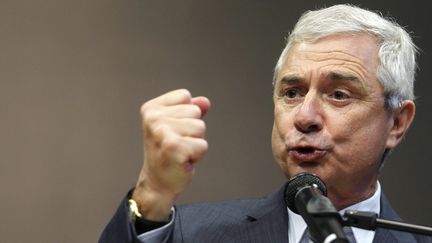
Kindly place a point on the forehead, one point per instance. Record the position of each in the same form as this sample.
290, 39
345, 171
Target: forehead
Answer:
355, 53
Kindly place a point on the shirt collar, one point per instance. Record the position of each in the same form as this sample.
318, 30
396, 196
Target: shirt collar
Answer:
297, 226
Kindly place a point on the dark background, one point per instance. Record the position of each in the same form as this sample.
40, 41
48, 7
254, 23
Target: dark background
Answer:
73, 75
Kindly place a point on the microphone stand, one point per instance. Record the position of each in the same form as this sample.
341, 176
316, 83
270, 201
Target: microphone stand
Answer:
370, 221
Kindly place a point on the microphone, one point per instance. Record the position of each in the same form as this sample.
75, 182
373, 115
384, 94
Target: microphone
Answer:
306, 194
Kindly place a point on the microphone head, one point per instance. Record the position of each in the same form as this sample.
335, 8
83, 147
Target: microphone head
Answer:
298, 182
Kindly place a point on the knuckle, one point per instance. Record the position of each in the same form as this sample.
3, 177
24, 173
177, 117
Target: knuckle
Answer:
204, 145
201, 125
150, 116
201, 150
170, 144
143, 108
159, 130
147, 107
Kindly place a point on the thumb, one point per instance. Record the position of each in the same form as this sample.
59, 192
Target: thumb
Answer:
203, 103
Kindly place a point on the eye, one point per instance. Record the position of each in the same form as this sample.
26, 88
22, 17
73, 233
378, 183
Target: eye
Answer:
292, 93
340, 95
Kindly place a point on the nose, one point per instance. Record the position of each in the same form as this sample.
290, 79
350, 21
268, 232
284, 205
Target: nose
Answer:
309, 117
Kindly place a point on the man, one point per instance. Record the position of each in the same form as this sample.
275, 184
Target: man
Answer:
343, 99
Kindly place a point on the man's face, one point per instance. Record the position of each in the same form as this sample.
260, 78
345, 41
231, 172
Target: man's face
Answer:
330, 117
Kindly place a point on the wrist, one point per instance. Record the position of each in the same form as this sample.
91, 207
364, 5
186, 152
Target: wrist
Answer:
141, 224
151, 205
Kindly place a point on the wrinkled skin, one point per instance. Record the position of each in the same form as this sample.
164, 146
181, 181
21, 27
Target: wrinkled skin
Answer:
330, 116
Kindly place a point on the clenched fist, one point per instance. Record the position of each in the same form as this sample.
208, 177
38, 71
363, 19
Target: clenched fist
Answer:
173, 142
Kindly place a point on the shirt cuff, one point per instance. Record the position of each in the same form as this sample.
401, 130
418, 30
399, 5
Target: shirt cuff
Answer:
160, 234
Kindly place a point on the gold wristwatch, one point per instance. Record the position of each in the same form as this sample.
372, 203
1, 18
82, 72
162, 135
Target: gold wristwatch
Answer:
133, 210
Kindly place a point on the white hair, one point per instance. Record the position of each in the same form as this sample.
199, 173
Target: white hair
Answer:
397, 52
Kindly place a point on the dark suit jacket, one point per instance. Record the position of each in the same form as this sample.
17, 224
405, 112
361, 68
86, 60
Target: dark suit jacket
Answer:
253, 220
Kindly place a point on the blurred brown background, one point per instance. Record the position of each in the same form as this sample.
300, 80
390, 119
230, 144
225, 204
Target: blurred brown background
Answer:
73, 75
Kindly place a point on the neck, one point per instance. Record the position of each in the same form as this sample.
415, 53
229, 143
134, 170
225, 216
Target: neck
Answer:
344, 200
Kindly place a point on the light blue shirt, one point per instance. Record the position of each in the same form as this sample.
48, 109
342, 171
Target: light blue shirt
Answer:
160, 234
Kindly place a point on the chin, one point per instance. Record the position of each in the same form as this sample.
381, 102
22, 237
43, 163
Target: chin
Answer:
312, 168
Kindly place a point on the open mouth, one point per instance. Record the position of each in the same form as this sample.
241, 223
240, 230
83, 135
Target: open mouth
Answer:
305, 150
307, 154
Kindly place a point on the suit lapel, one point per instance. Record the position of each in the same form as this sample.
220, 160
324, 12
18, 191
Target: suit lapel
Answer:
386, 235
382, 235
268, 220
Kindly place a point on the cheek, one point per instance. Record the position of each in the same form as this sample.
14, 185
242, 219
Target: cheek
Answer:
283, 121
279, 152
361, 136
355, 124
281, 126
278, 134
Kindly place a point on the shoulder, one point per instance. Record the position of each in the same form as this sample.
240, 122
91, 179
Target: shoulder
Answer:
231, 221
387, 212
220, 221
231, 209
234, 210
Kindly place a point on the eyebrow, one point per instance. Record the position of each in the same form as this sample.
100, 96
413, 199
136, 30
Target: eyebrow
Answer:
292, 79
336, 76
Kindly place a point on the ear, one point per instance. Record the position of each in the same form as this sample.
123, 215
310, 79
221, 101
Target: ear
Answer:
402, 118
